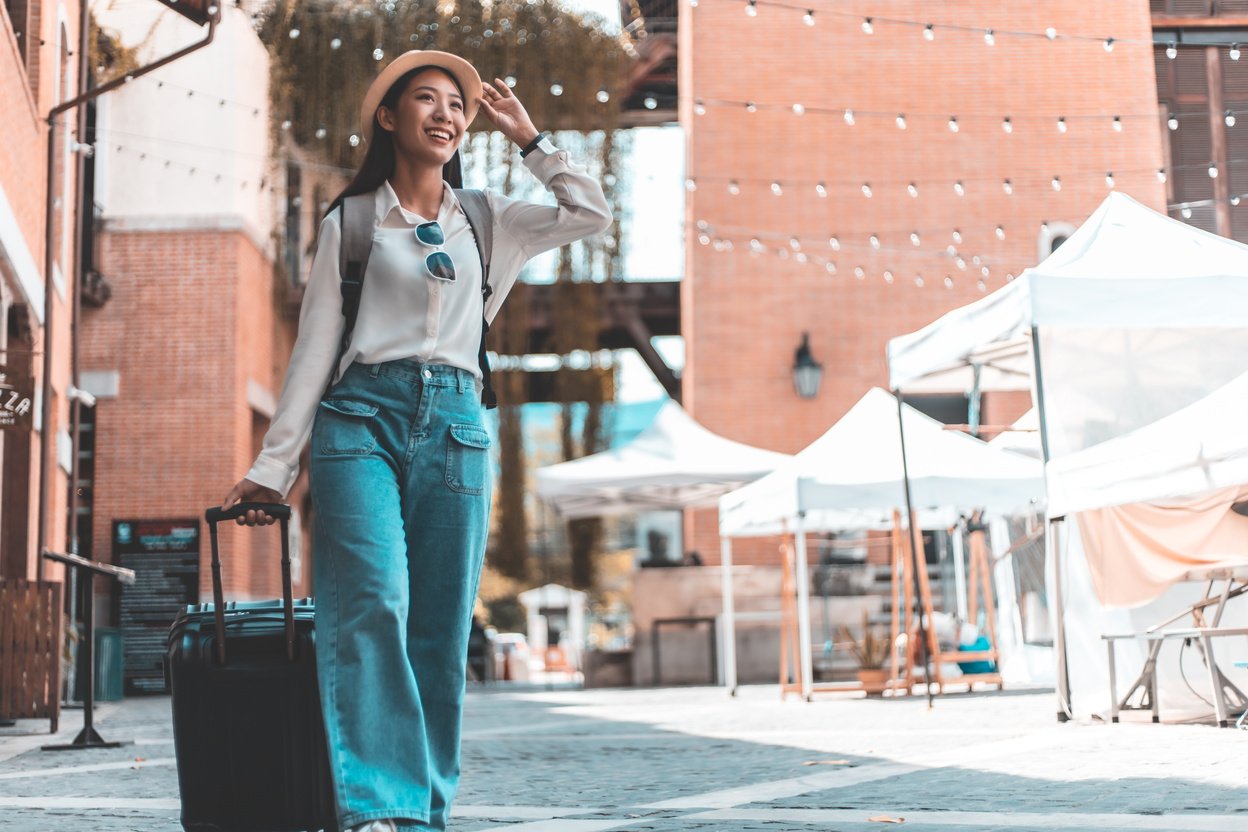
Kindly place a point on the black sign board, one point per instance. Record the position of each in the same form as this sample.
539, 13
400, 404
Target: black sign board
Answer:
16, 393
164, 555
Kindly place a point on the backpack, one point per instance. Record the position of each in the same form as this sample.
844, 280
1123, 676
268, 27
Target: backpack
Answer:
358, 221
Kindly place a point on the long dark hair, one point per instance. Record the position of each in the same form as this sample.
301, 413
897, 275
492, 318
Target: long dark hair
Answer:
378, 164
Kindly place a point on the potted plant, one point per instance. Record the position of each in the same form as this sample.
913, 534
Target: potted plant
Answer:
872, 650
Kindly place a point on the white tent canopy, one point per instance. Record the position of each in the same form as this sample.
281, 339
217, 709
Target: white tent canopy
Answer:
673, 464
851, 476
1200, 448
1136, 315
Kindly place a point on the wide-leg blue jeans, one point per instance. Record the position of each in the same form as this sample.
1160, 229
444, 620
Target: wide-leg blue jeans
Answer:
400, 481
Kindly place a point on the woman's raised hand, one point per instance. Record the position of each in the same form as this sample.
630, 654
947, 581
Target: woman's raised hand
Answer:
506, 113
252, 492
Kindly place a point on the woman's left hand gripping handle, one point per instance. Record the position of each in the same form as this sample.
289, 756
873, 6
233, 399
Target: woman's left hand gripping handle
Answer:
252, 492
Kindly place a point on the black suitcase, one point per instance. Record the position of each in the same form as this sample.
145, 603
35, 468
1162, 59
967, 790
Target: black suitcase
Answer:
247, 728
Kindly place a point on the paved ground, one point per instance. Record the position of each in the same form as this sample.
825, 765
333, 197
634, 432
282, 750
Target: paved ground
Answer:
691, 759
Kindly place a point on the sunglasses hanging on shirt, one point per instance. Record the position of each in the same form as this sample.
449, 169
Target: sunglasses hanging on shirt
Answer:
439, 263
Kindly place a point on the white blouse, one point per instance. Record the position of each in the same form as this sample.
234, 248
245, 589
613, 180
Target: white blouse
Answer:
407, 313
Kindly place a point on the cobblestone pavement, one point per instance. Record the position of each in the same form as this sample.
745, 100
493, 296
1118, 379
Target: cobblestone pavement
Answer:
679, 759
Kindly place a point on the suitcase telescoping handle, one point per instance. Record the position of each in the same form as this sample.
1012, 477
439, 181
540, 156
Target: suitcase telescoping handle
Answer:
214, 516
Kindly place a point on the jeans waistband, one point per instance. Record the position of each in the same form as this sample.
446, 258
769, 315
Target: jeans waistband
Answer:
412, 369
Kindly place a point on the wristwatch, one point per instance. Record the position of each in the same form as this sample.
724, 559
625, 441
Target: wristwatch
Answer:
541, 140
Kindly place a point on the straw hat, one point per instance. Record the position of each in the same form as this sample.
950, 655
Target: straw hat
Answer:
463, 72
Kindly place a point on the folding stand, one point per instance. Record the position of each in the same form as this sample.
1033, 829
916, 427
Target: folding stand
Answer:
87, 737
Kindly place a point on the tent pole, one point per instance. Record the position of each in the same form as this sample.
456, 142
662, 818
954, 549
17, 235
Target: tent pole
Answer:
917, 558
729, 616
803, 608
1054, 547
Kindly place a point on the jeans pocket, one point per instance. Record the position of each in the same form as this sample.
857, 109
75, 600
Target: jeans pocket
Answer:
467, 459
346, 427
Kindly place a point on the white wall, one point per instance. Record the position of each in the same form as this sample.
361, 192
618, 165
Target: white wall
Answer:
154, 130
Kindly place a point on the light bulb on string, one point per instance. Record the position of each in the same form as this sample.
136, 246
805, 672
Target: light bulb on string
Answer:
603, 96
1007, 125
981, 285
834, 243
1172, 50
1186, 212
378, 53
1000, 232
751, 8
959, 189
929, 32
1056, 184
690, 185
901, 121
866, 189
1109, 179
704, 239
800, 257
957, 236
860, 272
1161, 174
875, 242
294, 34
948, 282
1044, 227
918, 280
510, 81
1061, 124
1230, 118
1008, 187
335, 44
912, 189
286, 124
799, 110
821, 191
960, 263
734, 188
849, 117
795, 244
1117, 124
830, 266
776, 189
1213, 170
952, 251
1233, 52
989, 37
1050, 33
751, 107
953, 124
888, 276
354, 140
809, 17
867, 27
699, 108
1235, 201
1108, 44
914, 238
556, 90
321, 132
756, 245
650, 102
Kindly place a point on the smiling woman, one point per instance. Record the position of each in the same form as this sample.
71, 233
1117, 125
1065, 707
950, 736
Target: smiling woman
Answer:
390, 393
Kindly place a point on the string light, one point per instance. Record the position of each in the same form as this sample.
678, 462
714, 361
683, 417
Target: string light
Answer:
948, 282
556, 90
690, 185
867, 27
378, 54
1000, 232
1109, 179
888, 276
914, 238
1057, 183
809, 17
990, 37
875, 242
1172, 121
321, 132
1050, 33
1186, 212
1007, 125
294, 34
821, 191
1008, 187
929, 33
751, 8
1213, 170
912, 189
1230, 119
1109, 44
650, 102
699, 108
959, 189
799, 110
1235, 201
734, 188
860, 272
901, 121
1233, 54
1117, 124
1061, 124
1172, 50
957, 236
776, 189
354, 140
335, 44
953, 124
849, 117
866, 189
603, 96
834, 244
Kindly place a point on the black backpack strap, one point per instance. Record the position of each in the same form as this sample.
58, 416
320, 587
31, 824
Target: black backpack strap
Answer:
358, 217
481, 220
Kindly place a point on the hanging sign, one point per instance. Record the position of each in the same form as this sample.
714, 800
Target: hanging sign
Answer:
16, 394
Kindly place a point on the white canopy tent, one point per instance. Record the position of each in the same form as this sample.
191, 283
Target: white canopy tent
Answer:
1136, 316
852, 477
673, 464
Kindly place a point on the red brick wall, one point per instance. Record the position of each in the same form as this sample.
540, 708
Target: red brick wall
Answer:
191, 319
743, 315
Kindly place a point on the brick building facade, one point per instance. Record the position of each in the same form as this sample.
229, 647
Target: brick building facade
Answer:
38, 69
784, 146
